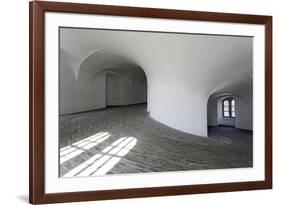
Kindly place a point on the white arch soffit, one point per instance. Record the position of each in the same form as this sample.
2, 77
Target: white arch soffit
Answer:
110, 71
114, 70
221, 95
227, 83
218, 95
227, 87
119, 59
81, 60
141, 81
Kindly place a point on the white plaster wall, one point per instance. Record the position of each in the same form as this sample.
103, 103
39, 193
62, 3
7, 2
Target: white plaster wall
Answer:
181, 70
212, 111
77, 96
244, 119
114, 90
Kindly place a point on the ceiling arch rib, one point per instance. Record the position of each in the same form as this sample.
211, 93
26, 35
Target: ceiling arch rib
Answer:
102, 59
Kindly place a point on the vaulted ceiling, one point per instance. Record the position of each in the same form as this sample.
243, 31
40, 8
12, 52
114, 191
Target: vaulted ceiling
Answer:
193, 66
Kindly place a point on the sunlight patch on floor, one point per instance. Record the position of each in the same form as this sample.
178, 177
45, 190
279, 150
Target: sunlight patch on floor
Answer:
81, 146
102, 162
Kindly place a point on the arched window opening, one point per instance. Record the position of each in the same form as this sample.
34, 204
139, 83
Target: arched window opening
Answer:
228, 107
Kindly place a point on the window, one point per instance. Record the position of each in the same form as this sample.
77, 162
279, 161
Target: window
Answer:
228, 107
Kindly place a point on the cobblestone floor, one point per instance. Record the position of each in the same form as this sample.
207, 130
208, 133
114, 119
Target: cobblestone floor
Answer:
126, 140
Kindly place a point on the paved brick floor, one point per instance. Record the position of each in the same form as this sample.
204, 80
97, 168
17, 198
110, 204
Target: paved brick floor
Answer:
126, 140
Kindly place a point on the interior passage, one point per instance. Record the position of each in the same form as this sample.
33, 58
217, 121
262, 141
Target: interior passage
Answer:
125, 139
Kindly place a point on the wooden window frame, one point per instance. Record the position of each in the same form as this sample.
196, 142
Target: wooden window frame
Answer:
229, 99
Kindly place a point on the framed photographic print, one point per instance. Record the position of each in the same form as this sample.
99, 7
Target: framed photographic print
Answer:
138, 102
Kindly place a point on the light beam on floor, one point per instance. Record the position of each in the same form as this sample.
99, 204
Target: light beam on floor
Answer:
81, 146
103, 162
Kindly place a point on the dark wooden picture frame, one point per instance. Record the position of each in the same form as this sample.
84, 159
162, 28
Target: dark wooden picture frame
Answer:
37, 193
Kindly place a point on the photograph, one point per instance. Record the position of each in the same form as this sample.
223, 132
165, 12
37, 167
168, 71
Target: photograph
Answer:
137, 101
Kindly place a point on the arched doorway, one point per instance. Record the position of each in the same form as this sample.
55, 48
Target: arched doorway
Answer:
221, 110
120, 87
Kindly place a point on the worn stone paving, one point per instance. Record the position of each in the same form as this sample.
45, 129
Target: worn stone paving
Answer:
156, 148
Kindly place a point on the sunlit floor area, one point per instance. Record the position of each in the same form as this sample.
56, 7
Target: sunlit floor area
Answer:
126, 140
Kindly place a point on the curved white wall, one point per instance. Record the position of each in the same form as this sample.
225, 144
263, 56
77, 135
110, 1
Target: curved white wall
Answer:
244, 119
182, 70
